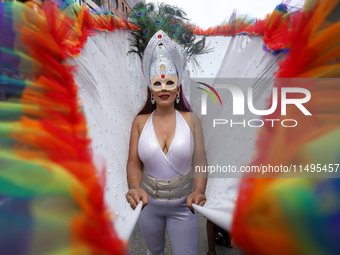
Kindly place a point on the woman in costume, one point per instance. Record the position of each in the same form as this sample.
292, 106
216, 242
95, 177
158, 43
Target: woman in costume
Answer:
300, 216
163, 134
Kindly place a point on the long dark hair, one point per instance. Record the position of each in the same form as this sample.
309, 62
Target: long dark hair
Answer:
181, 106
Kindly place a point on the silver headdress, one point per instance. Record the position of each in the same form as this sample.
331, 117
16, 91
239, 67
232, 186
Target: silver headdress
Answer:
163, 39
162, 56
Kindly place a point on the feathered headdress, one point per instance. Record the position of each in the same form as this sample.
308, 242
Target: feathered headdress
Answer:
166, 26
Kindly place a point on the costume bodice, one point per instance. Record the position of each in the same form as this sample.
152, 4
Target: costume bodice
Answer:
177, 162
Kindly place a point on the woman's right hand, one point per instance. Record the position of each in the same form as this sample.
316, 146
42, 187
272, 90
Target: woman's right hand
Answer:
134, 196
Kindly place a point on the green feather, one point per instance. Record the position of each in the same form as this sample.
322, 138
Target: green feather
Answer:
172, 20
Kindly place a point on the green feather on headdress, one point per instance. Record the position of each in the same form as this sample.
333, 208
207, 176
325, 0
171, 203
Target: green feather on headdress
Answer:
172, 21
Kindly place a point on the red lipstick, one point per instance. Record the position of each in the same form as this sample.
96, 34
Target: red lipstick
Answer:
164, 96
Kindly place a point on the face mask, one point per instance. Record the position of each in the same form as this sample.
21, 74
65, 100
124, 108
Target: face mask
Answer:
167, 83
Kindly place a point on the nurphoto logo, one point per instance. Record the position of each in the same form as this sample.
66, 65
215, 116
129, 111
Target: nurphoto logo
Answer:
238, 104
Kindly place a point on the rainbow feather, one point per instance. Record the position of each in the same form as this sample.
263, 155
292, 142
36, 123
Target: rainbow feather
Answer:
51, 200
300, 215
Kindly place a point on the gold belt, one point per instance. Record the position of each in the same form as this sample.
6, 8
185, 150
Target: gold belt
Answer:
167, 189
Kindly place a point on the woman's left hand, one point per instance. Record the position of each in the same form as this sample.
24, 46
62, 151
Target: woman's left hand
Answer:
195, 198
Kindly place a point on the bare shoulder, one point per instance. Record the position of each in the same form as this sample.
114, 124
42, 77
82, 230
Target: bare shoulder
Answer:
139, 121
194, 118
190, 118
186, 116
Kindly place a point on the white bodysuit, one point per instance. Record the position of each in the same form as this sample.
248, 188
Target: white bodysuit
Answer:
182, 225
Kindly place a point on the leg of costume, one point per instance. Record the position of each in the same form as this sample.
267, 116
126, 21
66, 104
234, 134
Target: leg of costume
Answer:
182, 226
152, 224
